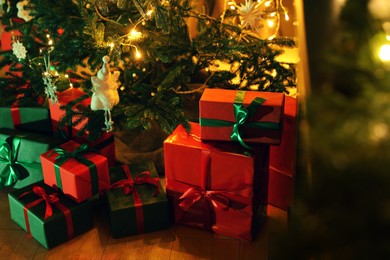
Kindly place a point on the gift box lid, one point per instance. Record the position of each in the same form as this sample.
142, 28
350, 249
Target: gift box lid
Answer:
271, 110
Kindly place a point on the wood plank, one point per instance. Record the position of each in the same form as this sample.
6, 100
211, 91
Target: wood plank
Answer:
156, 245
275, 221
6, 222
14, 244
203, 248
87, 245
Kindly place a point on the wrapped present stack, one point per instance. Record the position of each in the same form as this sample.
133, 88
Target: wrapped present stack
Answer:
54, 180
217, 173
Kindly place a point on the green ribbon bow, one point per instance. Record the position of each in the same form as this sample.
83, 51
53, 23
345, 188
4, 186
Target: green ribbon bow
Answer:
241, 115
12, 170
64, 155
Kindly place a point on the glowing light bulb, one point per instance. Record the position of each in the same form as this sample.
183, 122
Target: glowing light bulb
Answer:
270, 23
384, 52
149, 13
268, 3
50, 42
112, 45
66, 76
71, 85
138, 55
273, 14
134, 32
286, 17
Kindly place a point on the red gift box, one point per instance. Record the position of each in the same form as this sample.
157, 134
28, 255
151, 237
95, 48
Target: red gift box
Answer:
64, 98
244, 116
283, 158
215, 186
6, 38
105, 144
76, 171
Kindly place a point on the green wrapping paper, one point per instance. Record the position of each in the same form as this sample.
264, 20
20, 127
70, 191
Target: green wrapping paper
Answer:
20, 151
32, 119
124, 217
57, 228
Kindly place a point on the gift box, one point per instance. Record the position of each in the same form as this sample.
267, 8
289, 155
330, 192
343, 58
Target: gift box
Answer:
75, 170
105, 145
136, 201
73, 97
241, 116
32, 119
6, 37
47, 215
283, 158
215, 186
20, 163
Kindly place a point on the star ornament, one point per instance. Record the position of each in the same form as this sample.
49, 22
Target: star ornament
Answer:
250, 14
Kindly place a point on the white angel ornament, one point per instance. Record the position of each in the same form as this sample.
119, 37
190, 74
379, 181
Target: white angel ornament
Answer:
105, 91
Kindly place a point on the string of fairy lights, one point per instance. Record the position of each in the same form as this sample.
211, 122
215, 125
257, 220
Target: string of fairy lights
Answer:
252, 16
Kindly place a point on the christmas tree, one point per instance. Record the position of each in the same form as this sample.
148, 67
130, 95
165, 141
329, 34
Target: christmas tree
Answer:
165, 53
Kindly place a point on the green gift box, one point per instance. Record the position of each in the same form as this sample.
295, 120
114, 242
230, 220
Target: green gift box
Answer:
47, 215
20, 163
32, 119
136, 201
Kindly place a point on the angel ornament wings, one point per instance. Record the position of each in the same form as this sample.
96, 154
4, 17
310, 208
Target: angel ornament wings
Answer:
105, 91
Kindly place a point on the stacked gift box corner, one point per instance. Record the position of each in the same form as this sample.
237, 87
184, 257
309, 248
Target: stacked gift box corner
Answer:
218, 175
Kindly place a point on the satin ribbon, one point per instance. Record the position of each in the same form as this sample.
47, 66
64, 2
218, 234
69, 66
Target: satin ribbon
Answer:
13, 169
15, 113
241, 115
216, 199
64, 155
49, 199
128, 186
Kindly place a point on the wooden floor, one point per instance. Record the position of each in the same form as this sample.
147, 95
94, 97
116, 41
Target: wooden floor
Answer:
178, 242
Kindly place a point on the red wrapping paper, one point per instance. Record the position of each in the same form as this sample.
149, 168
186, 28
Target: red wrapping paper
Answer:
105, 144
283, 160
6, 38
224, 172
218, 104
56, 113
75, 176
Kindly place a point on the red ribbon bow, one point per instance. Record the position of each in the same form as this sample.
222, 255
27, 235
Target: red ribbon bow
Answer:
216, 198
50, 199
129, 183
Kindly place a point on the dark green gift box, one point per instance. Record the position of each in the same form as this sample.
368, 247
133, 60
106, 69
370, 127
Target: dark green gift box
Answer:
33, 119
57, 228
20, 163
126, 218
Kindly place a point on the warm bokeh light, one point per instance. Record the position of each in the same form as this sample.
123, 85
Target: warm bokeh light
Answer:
384, 52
